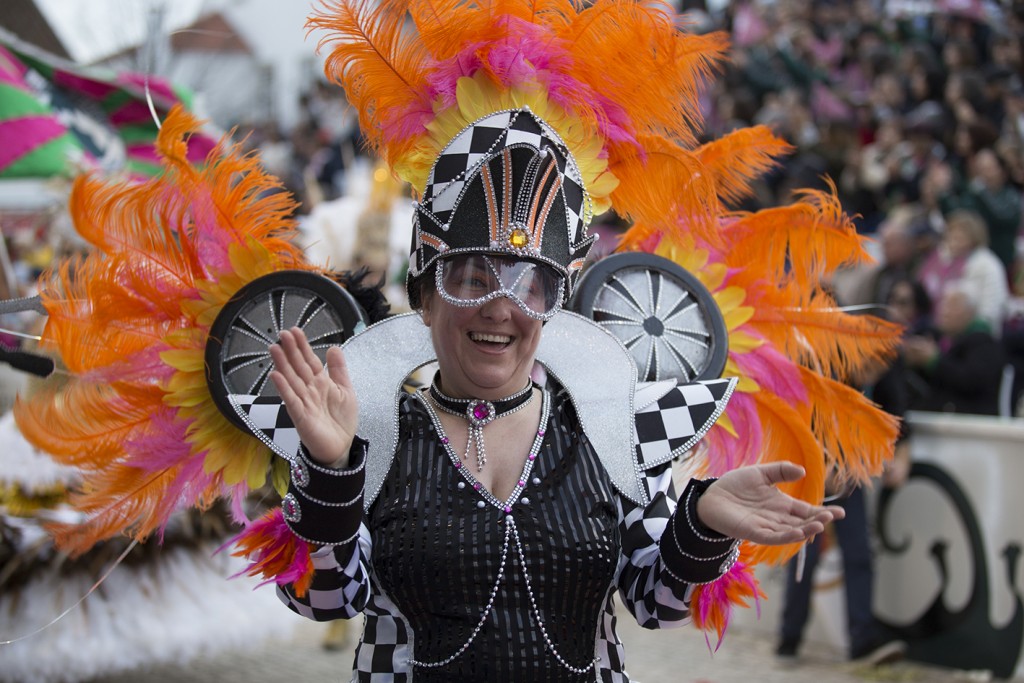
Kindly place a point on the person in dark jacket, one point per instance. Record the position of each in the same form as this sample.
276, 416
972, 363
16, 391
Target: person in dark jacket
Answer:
962, 362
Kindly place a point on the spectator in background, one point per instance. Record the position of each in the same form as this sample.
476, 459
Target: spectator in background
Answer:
969, 137
870, 169
870, 641
989, 193
924, 126
963, 255
961, 362
1013, 121
909, 305
897, 261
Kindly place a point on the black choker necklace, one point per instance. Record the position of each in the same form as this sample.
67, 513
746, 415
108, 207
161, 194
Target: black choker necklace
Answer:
480, 412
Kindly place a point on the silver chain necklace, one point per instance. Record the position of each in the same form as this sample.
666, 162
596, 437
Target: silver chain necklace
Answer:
510, 541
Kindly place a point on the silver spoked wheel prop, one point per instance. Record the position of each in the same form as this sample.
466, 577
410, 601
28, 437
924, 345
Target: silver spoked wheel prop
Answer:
237, 351
663, 315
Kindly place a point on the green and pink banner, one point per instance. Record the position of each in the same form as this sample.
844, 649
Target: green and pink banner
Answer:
59, 119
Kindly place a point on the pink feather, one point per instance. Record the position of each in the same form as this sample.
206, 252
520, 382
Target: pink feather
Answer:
727, 452
278, 554
773, 372
715, 600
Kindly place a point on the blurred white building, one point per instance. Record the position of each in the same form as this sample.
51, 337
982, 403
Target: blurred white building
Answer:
244, 60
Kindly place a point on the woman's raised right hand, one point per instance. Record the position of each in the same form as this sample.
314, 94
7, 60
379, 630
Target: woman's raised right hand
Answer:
320, 399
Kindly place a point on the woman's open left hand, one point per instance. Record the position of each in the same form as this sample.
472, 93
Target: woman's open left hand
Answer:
746, 504
320, 400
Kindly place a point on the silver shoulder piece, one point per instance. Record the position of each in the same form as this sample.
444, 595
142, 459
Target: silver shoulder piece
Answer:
588, 361
600, 377
379, 360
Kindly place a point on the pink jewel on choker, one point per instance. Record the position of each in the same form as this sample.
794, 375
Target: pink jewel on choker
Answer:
479, 413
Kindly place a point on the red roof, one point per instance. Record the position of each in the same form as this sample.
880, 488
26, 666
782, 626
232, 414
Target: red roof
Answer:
211, 33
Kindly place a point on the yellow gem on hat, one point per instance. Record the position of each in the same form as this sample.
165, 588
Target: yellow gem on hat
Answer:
518, 238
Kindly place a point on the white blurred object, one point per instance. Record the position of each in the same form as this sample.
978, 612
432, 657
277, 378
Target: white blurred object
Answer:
22, 464
173, 610
330, 230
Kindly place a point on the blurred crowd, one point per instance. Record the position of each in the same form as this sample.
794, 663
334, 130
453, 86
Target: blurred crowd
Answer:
916, 111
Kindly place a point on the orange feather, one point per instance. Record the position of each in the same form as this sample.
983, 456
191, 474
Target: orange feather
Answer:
788, 436
667, 191
805, 233
736, 159
381, 67
82, 424
633, 54
819, 335
169, 253
125, 500
860, 438
444, 38
114, 219
80, 329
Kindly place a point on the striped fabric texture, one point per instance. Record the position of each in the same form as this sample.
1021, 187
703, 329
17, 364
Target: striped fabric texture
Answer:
428, 556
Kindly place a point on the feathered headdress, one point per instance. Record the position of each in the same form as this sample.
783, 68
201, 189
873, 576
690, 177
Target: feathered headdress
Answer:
617, 82
445, 89
793, 348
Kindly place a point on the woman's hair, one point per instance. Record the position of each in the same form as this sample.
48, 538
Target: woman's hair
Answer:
972, 223
422, 287
921, 301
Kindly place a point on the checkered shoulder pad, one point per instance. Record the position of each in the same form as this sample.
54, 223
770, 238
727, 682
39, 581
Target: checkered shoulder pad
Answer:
268, 420
671, 425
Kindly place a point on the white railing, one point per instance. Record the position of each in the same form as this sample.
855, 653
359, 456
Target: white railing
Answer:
949, 568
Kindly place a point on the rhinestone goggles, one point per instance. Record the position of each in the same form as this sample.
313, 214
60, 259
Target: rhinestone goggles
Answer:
474, 279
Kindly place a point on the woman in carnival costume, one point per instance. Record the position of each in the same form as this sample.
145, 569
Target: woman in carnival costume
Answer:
483, 524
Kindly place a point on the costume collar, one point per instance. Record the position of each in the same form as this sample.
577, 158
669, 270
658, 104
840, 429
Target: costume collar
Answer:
631, 427
571, 348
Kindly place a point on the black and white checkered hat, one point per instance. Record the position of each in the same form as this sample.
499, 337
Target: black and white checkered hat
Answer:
505, 185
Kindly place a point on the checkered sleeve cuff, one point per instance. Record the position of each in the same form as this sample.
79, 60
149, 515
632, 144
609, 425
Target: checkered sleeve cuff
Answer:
690, 551
325, 505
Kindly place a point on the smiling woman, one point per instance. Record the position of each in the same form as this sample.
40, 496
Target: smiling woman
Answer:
503, 566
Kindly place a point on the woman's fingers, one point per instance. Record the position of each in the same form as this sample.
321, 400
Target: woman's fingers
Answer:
337, 369
308, 356
296, 368
293, 342
836, 511
283, 366
779, 472
287, 394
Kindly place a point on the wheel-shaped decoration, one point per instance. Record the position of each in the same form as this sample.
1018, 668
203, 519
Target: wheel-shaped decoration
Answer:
237, 350
665, 317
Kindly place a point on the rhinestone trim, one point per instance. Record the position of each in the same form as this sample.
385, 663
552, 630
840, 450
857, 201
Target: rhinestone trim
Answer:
290, 509
511, 534
478, 413
300, 474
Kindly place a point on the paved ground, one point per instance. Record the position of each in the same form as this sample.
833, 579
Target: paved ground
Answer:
679, 656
